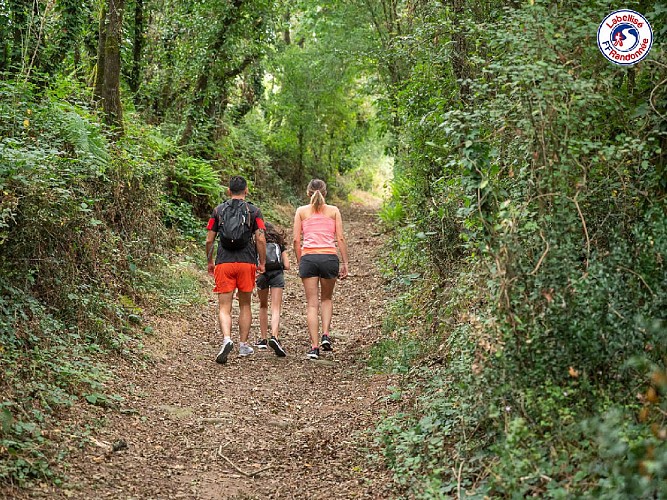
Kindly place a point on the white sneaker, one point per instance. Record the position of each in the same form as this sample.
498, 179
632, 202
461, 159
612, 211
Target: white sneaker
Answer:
245, 350
226, 348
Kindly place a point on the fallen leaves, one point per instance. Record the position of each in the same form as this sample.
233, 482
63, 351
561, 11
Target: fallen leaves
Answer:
261, 427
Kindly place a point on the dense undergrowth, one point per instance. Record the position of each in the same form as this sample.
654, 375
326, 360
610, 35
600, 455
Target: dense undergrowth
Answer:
529, 222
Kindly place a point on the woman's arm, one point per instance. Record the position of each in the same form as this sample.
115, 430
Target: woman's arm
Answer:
342, 245
297, 235
285, 259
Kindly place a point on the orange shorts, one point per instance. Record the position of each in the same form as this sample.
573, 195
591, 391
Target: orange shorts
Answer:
232, 275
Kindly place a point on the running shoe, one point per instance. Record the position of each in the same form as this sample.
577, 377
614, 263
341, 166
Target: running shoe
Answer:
326, 343
277, 348
245, 350
226, 348
314, 353
261, 344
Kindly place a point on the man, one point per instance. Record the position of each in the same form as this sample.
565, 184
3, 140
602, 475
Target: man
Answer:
235, 268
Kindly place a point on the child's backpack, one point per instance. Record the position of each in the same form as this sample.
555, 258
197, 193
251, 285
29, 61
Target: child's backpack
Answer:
234, 225
274, 261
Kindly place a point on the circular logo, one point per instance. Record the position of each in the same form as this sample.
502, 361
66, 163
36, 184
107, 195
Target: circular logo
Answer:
625, 37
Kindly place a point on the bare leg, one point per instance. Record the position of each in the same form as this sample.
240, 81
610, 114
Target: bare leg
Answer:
245, 315
311, 287
225, 313
276, 304
327, 286
263, 312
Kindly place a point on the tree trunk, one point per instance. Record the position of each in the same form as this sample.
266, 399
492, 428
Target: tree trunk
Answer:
138, 47
102, 40
200, 93
20, 10
205, 75
113, 108
460, 53
302, 146
286, 31
197, 103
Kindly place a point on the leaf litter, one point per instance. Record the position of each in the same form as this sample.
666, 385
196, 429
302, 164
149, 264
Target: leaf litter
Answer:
257, 427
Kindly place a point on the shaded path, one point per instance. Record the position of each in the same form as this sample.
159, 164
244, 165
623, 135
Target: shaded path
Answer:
297, 419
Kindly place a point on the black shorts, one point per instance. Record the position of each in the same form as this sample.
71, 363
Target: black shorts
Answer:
271, 279
319, 266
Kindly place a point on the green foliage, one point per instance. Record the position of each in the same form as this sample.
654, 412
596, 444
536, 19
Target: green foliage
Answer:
202, 62
369, 169
180, 215
401, 347
434, 440
632, 448
45, 365
83, 255
172, 285
318, 108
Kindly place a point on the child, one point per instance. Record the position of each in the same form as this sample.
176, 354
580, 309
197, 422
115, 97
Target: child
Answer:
272, 280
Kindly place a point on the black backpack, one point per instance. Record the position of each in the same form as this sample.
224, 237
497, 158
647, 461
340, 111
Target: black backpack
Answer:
234, 225
274, 261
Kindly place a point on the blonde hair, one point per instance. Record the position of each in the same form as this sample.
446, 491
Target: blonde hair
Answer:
317, 190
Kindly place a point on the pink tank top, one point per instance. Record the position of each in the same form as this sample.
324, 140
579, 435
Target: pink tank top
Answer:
319, 233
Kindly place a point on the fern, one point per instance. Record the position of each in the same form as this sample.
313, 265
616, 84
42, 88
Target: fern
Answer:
194, 181
84, 137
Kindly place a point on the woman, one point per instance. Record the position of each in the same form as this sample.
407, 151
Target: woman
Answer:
272, 281
322, 228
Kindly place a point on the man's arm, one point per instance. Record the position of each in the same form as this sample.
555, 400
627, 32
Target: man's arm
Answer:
210, 240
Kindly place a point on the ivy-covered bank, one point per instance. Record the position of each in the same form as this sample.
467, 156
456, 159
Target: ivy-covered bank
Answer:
529, 243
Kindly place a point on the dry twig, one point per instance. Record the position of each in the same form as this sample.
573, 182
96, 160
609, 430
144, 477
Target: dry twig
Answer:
544, 254
458, 481
240, 471
583, 223
638, 276
650, 99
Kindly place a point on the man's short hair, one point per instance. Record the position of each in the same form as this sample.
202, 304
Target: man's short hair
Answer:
237, 185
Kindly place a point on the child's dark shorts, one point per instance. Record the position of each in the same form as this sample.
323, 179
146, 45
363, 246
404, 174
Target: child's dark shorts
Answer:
271, 279
319, 266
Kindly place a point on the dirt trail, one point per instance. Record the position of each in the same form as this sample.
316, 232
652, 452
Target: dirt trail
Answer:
198, 430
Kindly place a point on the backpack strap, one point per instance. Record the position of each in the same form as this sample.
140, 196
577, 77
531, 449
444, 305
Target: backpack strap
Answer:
221, 208
251, 214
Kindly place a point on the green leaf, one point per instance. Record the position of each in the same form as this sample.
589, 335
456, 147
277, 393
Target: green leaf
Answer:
7, 420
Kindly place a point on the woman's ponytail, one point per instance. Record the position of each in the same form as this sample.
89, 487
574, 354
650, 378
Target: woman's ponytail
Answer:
317, 190
317, 200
